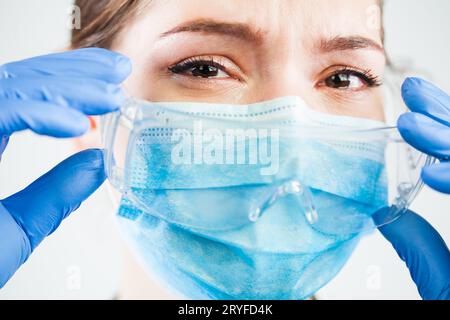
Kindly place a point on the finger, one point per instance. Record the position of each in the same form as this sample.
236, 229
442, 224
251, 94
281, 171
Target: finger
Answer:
423, 97
438, 177
90, 96
14, 246
40, 208
96, 63
42, 118
425, 253
425, 134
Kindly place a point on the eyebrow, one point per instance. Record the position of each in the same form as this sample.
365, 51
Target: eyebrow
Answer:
247, 33
349, 43
237, 30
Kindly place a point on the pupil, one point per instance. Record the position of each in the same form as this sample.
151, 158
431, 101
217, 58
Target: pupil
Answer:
205, 71
339, 81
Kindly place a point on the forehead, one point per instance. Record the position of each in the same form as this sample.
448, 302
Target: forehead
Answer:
304, 18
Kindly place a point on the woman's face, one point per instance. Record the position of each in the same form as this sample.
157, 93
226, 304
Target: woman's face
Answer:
327, 52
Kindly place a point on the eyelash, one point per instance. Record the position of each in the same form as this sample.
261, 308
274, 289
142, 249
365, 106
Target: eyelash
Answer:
366, 76
193, 62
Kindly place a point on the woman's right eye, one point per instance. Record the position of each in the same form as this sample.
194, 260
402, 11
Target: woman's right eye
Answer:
201, 67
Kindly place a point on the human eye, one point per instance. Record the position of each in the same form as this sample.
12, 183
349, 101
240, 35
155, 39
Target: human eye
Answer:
206, 67
347, 78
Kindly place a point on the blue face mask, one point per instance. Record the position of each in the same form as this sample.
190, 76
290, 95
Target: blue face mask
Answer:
214, 227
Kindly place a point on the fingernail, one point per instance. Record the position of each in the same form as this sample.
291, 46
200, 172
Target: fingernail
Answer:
119, 95
121, 59
410, 82
123, 62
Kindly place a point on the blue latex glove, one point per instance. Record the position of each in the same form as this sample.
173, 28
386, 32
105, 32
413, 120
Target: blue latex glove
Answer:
427, 128
52, 95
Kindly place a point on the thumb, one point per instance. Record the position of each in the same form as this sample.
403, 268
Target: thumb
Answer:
424, 252
40, 208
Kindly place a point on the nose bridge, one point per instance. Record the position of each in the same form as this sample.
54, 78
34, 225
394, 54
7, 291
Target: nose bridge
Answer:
283, 71
285, 76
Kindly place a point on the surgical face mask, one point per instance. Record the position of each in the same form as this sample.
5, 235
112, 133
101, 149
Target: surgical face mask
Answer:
262, 201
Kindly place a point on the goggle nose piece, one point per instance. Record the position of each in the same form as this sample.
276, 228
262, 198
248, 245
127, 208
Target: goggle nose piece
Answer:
288, 188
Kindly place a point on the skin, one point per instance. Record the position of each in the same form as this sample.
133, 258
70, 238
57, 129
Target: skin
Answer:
284, 58
284, 48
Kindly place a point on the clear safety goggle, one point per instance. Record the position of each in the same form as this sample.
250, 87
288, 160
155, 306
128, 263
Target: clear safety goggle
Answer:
333, 178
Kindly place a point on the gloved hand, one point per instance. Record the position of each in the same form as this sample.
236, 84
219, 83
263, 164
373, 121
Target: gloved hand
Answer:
427, 128
52, 95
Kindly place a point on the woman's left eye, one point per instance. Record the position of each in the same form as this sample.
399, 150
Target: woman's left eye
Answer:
200, 68
351, 80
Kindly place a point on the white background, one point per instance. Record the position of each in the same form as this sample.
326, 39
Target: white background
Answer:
83, 260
